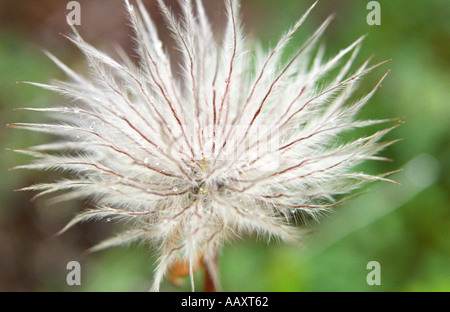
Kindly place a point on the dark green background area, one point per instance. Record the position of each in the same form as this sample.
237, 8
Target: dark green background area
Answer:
404, 227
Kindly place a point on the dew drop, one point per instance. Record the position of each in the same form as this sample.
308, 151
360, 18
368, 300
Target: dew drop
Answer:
146, 161
108, 220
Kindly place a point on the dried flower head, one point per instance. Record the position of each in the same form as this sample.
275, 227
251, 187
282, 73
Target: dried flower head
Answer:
240, 143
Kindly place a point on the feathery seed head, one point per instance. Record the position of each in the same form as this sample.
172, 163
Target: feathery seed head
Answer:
240, 143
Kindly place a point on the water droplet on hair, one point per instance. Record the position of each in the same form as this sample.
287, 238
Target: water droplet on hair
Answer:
146, 161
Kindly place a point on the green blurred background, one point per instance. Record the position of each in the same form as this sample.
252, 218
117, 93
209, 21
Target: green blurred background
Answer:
403, 227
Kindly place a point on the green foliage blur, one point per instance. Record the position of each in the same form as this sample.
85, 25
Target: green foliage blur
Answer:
405, 228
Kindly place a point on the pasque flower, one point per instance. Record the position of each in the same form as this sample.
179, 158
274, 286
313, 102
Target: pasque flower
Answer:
234, 140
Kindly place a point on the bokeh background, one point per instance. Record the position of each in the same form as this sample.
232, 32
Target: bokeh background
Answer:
404, 227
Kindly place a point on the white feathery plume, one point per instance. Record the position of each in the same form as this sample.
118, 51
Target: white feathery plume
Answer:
241, 143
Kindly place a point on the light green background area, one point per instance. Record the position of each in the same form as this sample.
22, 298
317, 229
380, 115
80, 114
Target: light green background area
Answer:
404, 227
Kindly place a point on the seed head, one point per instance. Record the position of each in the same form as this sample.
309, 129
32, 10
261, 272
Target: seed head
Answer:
240, 142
